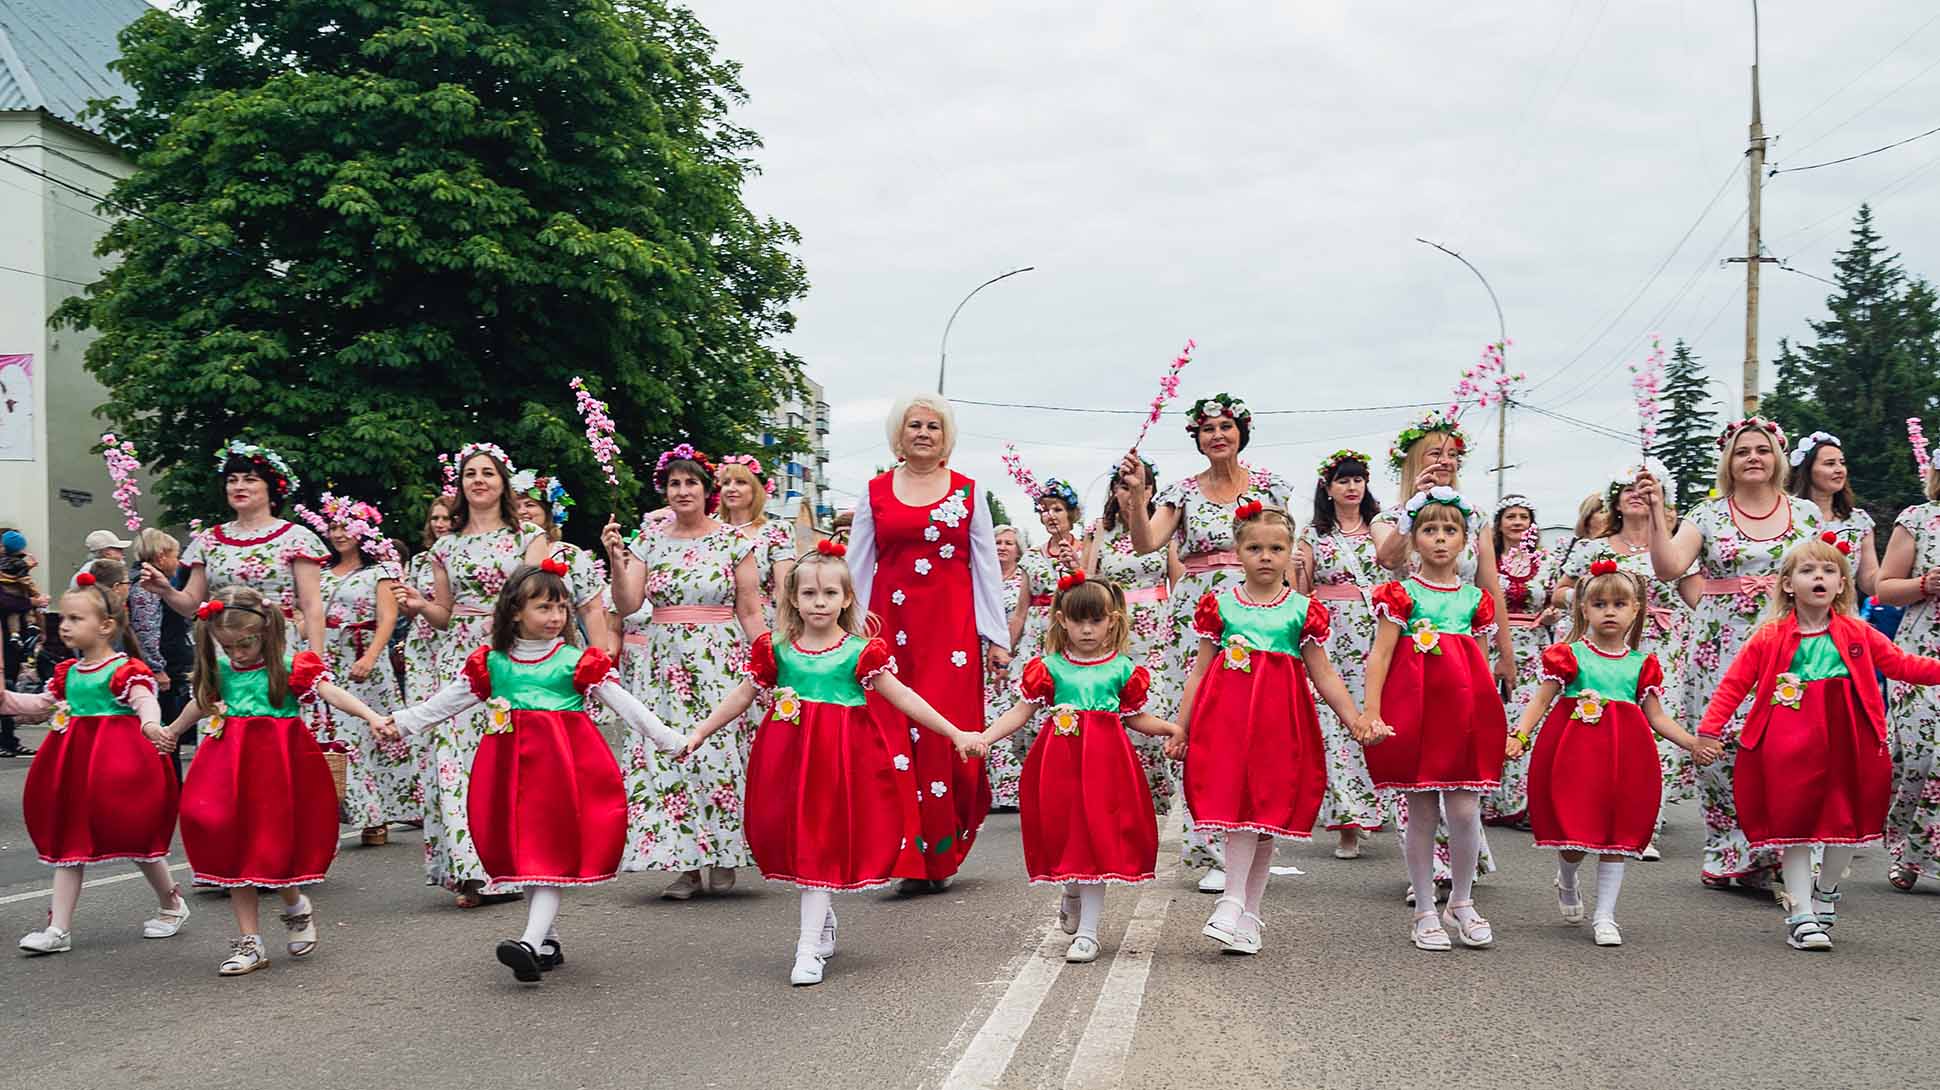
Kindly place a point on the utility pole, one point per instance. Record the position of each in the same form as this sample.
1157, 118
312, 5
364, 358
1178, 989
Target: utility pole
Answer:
1755, 171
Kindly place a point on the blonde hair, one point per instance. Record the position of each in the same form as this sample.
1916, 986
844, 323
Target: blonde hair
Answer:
244, 613
788, 622
1781, 602
1267, 515
1091, 600
1781, 465
1417, 456
113, 609
1435, 514
736, 472
152, 542
899, 416
1592, 506
1608, 583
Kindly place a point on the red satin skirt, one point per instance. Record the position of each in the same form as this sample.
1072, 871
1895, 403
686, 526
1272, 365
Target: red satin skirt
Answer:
1255, 757
1449, 724
1085, 807
258, 806
831, 803
99, 791
1595, 787
1819, 775
547, 806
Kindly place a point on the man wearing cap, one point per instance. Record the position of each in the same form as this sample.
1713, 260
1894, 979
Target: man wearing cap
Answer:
102, 545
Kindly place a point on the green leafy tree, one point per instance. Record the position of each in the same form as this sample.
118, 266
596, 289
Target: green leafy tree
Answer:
1687, 440
998, 516
365, 233
1876, 361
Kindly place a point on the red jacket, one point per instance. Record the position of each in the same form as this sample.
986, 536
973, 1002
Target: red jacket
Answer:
1769, 653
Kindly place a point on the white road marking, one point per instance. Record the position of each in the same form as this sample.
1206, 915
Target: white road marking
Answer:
983, 1064
32, 894
1099, 1061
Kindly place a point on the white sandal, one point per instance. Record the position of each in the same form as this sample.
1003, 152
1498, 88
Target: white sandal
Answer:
1606, 933
168, 921
1224, 936
247, 955
1432, 937
1572, 913
1083, 950
1246, 937
1475, 932
301, 921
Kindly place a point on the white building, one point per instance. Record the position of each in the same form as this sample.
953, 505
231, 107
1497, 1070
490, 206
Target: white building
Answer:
54, 58
800, 482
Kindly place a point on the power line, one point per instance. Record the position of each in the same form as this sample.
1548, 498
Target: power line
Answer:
137, 213
1802, 272
1845, 209
1142, 412
1863, 73
46, 276
1775, 171
1921, 74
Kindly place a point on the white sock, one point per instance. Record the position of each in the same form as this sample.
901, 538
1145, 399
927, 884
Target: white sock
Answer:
1566, 875
1797, 874
1463, 810
1609, 882
541, 909
816, 904
1091, 905
1424, 813
1256, 875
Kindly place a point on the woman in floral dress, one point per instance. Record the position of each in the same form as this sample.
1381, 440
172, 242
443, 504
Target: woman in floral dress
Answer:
698, 576
258, 549
924, 556
469, 566
1147, 580
1910, 577
745, 489
544, 503
1527, 571
1196, 514
359, 613
1819, 474
1001, 764
1667, 621
1738, 540
1336, 566
1058, 512
424, 643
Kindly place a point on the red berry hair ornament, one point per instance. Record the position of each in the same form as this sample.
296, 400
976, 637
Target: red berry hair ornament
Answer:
1831, 538
1603, 567
553, 567
208, 610
829, 547
1075, 579
85, 579
1249, 509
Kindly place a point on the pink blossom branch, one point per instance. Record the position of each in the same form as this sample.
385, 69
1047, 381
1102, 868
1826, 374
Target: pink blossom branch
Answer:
1168, 390
600, 429
123, 469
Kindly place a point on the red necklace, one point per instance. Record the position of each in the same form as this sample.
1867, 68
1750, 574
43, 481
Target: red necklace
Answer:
1757, 518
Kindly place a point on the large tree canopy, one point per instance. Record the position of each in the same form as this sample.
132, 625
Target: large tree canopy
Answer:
366, 232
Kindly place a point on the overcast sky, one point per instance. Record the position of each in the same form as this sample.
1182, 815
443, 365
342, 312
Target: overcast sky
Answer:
1254, 175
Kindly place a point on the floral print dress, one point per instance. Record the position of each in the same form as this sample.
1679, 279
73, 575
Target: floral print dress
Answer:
687, 815
1913, 822
1148, 608
1002, 764
476, 567
771, 543
1724, 619
1043, 574
1526, 581
424, 674
1205, 540
1345, 572
263, 561
380, 778
585, 572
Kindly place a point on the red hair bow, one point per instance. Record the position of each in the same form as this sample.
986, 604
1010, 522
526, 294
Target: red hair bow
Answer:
208, 609
553, 567
830, 547
1075, 579
85, 579
1248, 510
1832, 538
1603, 567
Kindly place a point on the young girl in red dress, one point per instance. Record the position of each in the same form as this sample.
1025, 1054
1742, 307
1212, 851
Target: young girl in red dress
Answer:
546, 806
1256, 763
1595, 784
1085, 804
97, 790
1438, 717
1813, 766
258, 808
831, 800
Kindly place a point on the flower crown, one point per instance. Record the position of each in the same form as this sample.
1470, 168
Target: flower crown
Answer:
287, 481
682, 452
465, 452
546, 490
1809, 443
1732, 429
1434, 420
359, 519
1516, 499
753, 465
1631, 474
1214, 407
1443, 496
1333, 461
1060, 491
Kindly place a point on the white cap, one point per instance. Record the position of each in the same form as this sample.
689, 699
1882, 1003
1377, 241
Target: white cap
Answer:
105, 539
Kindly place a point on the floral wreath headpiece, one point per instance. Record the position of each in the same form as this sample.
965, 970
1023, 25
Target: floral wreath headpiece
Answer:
1516, 499
285, 480
1150, 469
1214, 407
1060, 491
682, 452
546, 490
753, 465
1333, 461
465, 452
1434, 420
359, 519
1732, 429
1807, 444
1440, 495
1631, 474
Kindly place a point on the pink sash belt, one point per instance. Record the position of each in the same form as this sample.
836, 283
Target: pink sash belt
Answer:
1743, 584
1522, 620
637, 639
1660, 618
1338, 592
692, 614
1148, 594
1201, 563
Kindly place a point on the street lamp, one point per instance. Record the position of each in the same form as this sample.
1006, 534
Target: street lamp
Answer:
1502, 338
943, 352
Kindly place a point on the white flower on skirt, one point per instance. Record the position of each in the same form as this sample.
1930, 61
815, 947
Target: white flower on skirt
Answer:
914, 734
899, 597
901, 762
958, 658
923, 566
902, 638
931, 533
947, 551
938, 788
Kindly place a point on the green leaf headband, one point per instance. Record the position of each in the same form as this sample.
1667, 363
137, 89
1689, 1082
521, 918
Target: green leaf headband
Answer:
1426, 424
1214, 407
286, 482
1333, 460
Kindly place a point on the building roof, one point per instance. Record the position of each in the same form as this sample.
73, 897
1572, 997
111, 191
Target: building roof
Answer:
54, 54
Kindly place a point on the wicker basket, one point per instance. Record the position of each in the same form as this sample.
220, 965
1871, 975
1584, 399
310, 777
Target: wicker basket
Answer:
339, 765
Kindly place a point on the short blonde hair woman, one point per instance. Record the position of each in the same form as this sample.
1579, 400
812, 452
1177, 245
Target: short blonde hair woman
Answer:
925, 412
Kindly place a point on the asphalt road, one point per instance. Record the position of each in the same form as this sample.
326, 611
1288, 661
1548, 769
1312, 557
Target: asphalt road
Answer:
966, 989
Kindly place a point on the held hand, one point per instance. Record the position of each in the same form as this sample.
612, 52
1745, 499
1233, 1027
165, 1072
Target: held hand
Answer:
1377, 731
161, 737
162, 683
361, 669
1707, 750
1930, 584
1513, 748
384, 728
1175, 747
999, 658
969, 745
686, 751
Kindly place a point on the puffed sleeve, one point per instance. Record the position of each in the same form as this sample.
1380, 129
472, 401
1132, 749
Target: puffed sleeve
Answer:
1650, 679
1484, 615
1910, 520
1036, 684
130, 675
875, 659
1131, 698
1206, 621
306, 672
196, 552
1558, 664
1391, 603
1320, 624
763, 670
58, 683
304, 544
594, 667
478, 673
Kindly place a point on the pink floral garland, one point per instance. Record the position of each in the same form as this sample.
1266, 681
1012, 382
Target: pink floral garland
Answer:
600, 429
1922, 457
1168, 389
360, 520
1647, 382
1014, 465
123, 467
1485, 383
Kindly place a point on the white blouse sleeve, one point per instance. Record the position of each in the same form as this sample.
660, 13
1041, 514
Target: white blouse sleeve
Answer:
637, 715
862, 550
454, 699
986, 575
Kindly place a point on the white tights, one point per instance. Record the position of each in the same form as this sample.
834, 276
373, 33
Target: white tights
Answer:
1797, 872
1249, 862
1463, 810
818, 906
541, 911
1091, 905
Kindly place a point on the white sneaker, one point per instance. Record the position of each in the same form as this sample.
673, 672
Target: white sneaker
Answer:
1213, 882
300, 919
825, 943
1606, 933
48, 940
1651, 853
1083, 949
168, 921
683, 888
808, 969
248, 956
